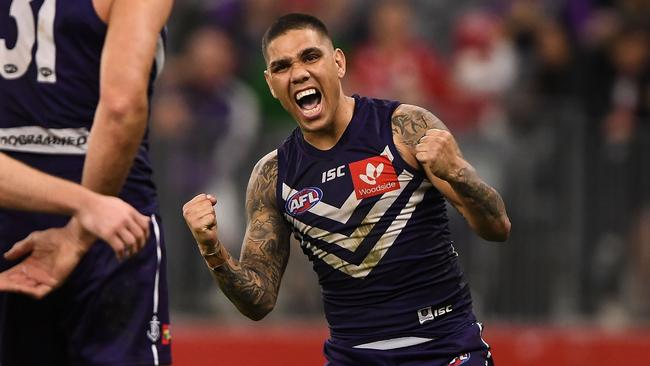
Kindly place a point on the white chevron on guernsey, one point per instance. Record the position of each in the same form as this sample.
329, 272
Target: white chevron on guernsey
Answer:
381, 247
352, 241
340, 214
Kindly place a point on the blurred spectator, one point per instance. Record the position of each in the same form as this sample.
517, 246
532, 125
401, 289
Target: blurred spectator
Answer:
617, 145
395, 63
206, 123
484, 70
546, 126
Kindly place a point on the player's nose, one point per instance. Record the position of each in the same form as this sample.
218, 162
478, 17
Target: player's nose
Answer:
299, 74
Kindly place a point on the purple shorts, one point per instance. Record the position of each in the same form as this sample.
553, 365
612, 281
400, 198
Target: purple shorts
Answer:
465, 347
107, 313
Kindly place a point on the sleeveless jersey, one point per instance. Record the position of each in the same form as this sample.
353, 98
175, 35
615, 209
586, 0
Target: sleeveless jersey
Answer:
376, 231
50, 54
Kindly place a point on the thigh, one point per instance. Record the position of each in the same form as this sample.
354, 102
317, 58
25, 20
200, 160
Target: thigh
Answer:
30, 335
126, 319
108, 313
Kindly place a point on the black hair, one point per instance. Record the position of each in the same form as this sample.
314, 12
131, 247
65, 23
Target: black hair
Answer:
289, 22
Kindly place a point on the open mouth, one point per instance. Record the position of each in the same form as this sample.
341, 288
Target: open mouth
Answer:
309, 101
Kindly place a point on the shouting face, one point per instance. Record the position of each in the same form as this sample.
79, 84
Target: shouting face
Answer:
304, 72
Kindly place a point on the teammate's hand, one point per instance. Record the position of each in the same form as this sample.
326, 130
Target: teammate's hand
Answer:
201, 218
26, 279
115, 222
438, 152
51, 256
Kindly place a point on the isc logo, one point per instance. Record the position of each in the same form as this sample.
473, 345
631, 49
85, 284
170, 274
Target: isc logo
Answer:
333, 174
301, 201
428, 313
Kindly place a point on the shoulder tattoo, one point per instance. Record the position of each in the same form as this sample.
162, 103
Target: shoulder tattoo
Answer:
410, 123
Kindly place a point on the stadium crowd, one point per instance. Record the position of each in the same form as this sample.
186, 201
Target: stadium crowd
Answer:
549, 100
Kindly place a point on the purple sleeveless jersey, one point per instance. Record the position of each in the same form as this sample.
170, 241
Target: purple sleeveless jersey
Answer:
107, 313
377, 233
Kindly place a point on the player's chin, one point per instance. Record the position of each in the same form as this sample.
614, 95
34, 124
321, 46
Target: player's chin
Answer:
313, 125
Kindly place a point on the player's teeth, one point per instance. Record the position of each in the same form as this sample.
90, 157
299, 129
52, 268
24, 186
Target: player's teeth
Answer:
305, 93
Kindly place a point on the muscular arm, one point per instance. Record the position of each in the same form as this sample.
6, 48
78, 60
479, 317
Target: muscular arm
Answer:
425, 142
25, 188
252, 282
121, 116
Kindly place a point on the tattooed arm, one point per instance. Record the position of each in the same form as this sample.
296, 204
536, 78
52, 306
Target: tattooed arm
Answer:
425, 143
252, 282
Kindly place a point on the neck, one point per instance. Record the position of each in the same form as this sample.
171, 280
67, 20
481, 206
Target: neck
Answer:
325, 139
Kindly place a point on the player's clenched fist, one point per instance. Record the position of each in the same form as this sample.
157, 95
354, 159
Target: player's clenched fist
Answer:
202, 220
438, 152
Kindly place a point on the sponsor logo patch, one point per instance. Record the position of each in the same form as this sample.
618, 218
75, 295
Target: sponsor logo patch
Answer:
457, 361
166, 334
373, 176
301, 201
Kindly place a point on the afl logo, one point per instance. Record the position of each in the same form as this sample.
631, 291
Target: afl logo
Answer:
460, 360
303, 200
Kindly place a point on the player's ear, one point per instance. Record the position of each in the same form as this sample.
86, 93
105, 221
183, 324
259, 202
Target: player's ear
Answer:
339, 58
267, 77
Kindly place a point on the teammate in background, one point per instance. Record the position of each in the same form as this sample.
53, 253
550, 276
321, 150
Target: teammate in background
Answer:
361, 183
108, 218
69, 66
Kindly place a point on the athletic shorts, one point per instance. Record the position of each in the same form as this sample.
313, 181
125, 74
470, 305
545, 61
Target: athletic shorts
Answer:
465, 347
107, 312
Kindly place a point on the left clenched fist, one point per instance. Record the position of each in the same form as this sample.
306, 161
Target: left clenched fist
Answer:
438, 153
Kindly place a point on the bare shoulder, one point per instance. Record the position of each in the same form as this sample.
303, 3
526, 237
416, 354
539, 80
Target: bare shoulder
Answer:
267, 165
262, 183
410, 123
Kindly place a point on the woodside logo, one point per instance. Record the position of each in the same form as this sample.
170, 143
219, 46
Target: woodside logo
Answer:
373, 176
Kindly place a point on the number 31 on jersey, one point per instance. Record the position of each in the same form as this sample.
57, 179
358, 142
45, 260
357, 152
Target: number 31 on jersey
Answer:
14, 62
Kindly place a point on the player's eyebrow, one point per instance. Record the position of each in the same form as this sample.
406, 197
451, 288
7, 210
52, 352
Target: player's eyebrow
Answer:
309, 50
276, 64
286, 61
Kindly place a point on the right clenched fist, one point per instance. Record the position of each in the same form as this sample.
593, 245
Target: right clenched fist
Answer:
202, 220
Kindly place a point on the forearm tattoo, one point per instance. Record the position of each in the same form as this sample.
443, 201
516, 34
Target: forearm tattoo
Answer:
478, 194
410, 123
252, 284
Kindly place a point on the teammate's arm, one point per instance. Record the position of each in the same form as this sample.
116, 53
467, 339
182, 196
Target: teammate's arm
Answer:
252, 282
121, 115
424, 141
118, 126
25, 188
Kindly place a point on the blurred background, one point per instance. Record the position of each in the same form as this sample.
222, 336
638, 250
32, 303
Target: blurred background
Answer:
549, 100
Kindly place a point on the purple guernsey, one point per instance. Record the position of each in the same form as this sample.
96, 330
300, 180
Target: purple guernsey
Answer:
376, 231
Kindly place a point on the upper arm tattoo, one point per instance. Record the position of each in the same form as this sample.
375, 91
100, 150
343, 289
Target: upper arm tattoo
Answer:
267, 237
252, 284
410, 123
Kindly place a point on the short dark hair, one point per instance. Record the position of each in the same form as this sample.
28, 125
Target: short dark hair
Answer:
289, 22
